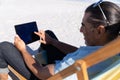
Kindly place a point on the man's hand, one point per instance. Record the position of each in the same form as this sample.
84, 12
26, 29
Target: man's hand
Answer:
44, 37
19, 43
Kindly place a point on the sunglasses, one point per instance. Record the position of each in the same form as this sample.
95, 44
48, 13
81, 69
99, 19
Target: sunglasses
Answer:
98, 4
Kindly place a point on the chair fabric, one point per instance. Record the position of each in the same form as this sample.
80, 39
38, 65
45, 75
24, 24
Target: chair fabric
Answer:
110, 73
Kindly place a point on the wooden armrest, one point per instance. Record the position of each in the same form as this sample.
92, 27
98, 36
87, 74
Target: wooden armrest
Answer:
16, 73
76, 67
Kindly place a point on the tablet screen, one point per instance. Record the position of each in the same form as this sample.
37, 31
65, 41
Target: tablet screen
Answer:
26, 32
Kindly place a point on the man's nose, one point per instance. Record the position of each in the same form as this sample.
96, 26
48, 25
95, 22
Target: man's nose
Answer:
81, 29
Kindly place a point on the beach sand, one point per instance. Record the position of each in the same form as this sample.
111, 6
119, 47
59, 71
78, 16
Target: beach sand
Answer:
63, 17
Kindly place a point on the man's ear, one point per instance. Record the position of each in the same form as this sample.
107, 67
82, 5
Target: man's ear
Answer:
101, 29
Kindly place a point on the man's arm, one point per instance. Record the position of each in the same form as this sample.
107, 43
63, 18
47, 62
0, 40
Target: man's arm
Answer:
65, 48
46, 39
37, 69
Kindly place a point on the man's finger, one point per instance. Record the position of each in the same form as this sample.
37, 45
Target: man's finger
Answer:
37, 33
42, 41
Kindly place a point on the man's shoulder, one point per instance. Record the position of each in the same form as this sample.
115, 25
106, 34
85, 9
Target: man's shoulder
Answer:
89, 47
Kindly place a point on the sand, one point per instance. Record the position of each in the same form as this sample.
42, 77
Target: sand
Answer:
63, 17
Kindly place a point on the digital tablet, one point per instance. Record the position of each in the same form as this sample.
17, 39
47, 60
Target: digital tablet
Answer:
26, 32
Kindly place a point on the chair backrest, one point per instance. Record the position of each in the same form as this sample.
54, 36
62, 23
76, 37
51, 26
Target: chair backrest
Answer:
80, 66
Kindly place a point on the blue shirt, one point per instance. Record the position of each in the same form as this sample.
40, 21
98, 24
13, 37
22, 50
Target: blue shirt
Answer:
80, 53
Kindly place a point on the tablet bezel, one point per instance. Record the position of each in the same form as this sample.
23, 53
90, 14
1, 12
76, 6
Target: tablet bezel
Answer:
26, 32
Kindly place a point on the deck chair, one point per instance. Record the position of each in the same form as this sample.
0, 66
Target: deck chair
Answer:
80, 66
